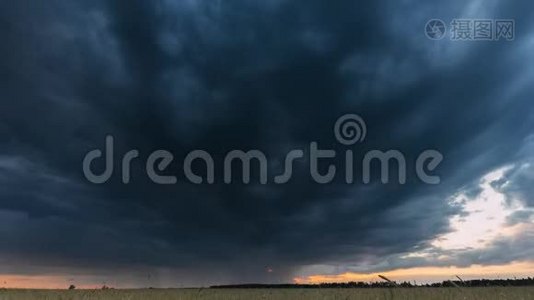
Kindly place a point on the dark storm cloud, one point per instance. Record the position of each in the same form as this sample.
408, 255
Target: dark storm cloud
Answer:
517, 181
218, 76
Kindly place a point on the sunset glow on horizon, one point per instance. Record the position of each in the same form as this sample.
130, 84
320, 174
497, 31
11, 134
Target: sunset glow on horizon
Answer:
42, 282
418, 274
429, 274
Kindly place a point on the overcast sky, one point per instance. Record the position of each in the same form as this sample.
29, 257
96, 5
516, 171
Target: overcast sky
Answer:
272, 75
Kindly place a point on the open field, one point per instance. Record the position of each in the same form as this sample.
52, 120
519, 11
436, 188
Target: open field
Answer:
516, 293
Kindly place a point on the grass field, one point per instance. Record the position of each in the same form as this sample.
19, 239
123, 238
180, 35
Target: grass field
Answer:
515, 293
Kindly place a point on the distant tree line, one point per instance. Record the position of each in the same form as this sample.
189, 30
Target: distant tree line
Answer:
449, 283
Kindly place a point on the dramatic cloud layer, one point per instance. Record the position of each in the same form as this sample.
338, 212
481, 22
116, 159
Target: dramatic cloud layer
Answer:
271, 75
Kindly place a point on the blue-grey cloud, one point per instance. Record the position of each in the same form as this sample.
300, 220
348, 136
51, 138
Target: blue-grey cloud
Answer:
218, 76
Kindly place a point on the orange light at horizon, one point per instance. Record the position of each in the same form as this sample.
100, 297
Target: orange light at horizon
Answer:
428, 274
420, 274
41, 282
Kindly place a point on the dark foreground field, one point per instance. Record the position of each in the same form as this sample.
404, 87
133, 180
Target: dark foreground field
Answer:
515, 293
